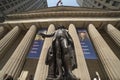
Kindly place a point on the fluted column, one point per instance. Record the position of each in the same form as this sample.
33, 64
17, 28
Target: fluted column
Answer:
16, 61
109, 60
82, 70
42, 69
7, 40
114, 33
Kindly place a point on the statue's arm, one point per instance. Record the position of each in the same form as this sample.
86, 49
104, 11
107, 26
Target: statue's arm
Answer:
69, 38
47, 35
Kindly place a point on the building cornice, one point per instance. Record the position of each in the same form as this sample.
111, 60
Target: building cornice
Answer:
64, 12
81, 17
80, 22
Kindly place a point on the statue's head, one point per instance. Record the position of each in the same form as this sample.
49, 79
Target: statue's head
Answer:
60, 27
7, 77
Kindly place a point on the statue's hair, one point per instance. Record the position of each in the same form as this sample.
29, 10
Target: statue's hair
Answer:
60, 27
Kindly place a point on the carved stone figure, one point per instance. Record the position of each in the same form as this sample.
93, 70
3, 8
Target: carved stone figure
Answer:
61, 56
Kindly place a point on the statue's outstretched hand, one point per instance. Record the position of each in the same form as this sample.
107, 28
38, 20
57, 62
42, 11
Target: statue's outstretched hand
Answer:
46, 35
42, 34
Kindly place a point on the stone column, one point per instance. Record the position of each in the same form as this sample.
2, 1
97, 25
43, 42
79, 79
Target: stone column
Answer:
109, 60
7, 40
42, 69
15, 63
114, 33
82, 70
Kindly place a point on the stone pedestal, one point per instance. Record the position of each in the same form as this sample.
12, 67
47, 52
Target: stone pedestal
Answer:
109, 60
114, 33
82, 70
8, 40
15, 63
42, 69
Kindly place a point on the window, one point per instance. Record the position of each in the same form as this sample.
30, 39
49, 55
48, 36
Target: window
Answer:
12, 4
2, 8
115, 3
7, 6
107, 1
19, 1
4, 2
9, 1
95, 2
15, 2
99, 4
0, 4
18, 8
104, 7
15, 10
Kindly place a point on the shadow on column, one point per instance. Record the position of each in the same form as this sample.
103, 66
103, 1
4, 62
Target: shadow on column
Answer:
110, 42
11, 49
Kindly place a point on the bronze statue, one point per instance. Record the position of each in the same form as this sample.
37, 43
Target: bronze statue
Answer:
61, 56
7, 77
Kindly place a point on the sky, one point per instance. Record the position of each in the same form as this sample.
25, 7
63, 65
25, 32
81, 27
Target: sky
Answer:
65, 3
